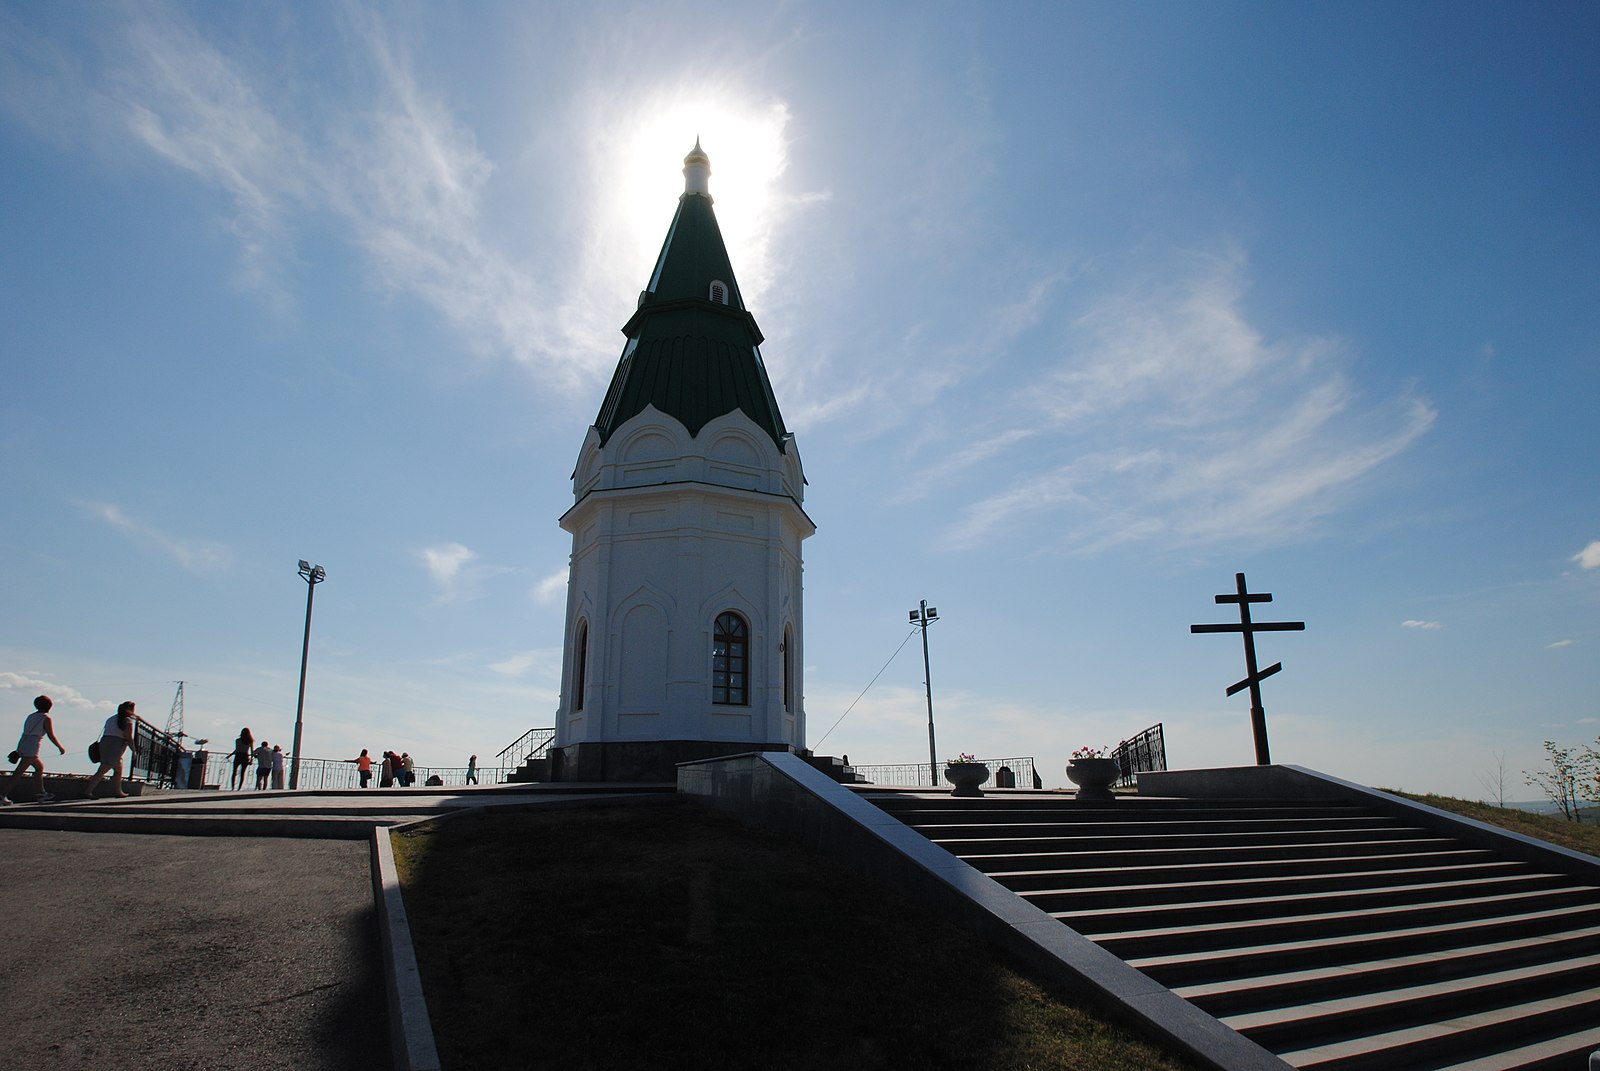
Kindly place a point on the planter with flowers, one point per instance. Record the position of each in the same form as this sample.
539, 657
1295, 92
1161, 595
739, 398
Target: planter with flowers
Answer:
967, 774
1094, 773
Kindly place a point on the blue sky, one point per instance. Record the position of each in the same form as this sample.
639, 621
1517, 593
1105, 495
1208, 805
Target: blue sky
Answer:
1075, 313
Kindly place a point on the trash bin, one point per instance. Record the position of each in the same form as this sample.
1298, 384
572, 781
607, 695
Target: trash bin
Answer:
197, 770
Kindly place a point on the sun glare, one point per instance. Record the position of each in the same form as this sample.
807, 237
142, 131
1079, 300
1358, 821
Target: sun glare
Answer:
746, 147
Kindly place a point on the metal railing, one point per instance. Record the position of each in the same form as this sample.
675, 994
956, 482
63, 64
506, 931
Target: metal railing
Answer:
330, 774
154, 756
912, 775
1146, 751
530, 745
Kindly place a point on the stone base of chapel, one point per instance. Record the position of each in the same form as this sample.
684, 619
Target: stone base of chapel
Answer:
642, 760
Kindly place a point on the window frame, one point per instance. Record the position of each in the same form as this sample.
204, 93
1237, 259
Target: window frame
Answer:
730, 660
580, 666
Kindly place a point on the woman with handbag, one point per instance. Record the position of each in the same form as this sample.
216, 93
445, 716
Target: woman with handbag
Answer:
116, 740
34, 730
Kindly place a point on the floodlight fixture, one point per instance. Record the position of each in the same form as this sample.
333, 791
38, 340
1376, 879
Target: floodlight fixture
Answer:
312, 575
920, 617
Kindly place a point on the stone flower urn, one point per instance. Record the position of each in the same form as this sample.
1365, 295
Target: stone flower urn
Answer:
1094, 778
967, 777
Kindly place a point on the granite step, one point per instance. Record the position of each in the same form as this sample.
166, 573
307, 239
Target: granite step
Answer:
1564, 1051
1039, 891
1192, 966
1449, 1042
1246, 993
1198, 911
1309, 1023
968, 840
1331, 924
1123, 856
1025, 872
1131, 813
1042, 822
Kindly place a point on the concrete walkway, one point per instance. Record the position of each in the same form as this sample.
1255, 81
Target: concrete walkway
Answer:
214, 930
189, 952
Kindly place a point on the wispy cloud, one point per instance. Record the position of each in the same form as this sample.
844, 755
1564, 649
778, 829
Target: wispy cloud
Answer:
525, 663
59, 693
1170, 417
445, 563
1427, 625
201, 110
458, 572
1588, 557
389, 169
551, 589
197, 556
1559, 644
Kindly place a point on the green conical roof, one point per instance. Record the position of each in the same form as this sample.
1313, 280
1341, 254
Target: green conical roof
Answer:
693, 351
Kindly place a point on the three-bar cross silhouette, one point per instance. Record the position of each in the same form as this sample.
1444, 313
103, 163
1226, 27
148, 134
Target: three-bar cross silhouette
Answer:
1253, 676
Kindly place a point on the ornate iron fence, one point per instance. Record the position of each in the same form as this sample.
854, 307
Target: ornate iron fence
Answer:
530, 745
909, 775
1146, 751
155, 756
329, 774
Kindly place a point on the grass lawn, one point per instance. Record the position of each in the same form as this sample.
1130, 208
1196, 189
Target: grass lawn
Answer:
1579, 836
671, 936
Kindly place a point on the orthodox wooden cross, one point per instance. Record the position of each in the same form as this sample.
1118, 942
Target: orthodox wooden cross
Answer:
1253, 676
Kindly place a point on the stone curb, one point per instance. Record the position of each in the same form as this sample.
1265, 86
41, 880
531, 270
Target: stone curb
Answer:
410, 1030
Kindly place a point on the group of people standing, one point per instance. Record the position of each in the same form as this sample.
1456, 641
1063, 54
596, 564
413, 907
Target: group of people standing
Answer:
116, 741
394, 770
267, 757
397, 770
400, 770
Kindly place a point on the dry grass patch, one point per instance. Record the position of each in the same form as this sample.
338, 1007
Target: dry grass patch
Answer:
670, 936
1578, 836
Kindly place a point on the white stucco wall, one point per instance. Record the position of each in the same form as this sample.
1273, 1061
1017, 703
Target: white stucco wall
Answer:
668, 532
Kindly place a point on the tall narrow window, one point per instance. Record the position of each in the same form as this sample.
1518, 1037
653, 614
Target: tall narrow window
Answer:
719, 291
580, 666
730, 660
788, 670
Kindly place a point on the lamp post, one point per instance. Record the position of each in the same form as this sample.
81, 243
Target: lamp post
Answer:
312, 575
920, 617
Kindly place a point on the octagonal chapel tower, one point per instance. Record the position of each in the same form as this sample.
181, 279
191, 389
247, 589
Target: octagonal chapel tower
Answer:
684, 622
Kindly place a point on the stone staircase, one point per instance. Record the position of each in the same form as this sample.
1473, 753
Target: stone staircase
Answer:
1334, 935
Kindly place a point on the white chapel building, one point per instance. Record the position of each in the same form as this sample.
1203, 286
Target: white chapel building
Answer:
684, 629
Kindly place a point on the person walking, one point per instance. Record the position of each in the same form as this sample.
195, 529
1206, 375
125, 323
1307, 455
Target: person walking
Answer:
472, 770
277, 766
241, 758
116, 740
35, 728
263, 755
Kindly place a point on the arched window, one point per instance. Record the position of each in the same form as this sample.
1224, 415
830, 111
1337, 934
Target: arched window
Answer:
788, 669
730, 661
719, 291
580, 665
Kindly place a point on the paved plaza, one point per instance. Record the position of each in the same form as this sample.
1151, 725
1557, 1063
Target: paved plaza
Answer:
189, 952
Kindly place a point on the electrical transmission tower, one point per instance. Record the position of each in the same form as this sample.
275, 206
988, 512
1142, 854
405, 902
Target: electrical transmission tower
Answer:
175, 719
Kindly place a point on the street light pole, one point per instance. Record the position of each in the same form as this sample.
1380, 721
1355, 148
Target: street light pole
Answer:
312, 575
920, 617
